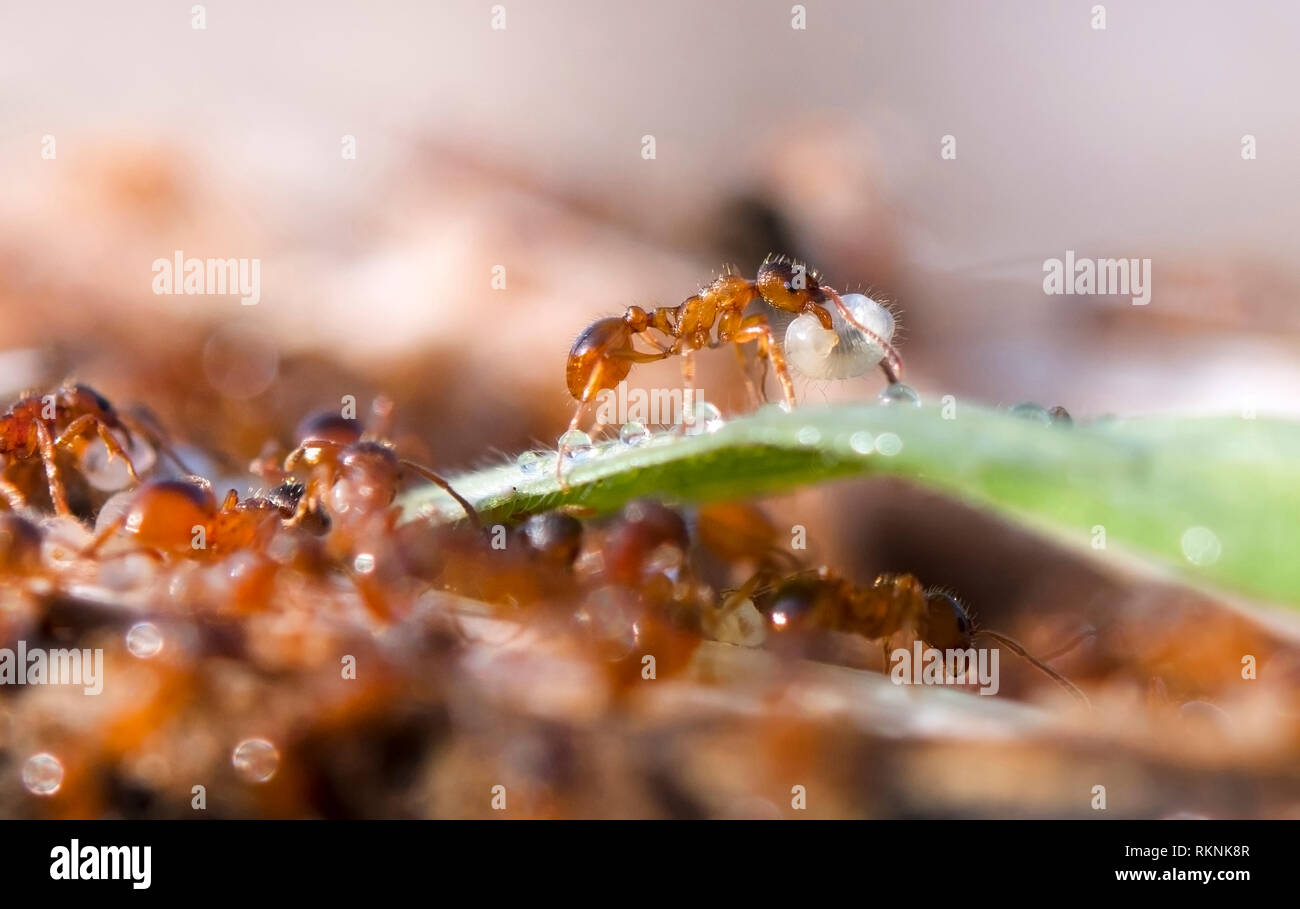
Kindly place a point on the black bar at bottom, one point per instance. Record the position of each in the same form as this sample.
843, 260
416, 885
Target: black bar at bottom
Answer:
305, 858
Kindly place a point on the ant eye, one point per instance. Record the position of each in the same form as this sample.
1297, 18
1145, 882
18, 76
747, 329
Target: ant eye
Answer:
946, 624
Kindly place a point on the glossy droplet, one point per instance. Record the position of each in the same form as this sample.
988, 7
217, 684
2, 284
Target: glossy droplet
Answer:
808, 436
1033, 412
633, 433
1060, 416
888, 444
575, 444
1201, 546
42, 774
862, 442
144, 640
530, 461
900, 394
707, 419
256, 760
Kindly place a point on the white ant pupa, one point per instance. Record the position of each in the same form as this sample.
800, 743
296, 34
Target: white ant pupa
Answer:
842, 352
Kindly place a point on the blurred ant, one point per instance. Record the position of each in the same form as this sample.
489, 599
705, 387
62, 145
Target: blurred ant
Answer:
604, 354
182, 517
36, 426
819, 599
350, 471
892, 604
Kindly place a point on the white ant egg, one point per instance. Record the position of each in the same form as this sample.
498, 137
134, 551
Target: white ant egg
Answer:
843, 351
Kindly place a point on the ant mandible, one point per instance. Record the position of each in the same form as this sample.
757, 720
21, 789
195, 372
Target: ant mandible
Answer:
604, 354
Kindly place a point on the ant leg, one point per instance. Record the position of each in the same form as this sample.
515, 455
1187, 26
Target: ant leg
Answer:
381, 409
58, 495
688, 390
79, 426
892, 364
754, 394
103, 537
12, 495
563, 449
756, 328
432, 477
589, 394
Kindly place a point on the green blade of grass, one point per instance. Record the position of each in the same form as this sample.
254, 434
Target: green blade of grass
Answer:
1218, 498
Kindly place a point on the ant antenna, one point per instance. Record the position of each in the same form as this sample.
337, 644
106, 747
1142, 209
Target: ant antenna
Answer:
892, 364
1084, 635
1016, 647
432, 477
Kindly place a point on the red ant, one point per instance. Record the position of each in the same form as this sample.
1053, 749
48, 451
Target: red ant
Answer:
351, 471
182, 517
604, 354
808, 600
36, 426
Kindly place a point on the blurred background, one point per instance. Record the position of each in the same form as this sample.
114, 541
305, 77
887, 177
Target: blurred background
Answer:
522, 147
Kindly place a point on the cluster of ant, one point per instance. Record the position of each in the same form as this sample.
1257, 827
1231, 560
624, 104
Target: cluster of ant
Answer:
321, 552
627, 583
330, 513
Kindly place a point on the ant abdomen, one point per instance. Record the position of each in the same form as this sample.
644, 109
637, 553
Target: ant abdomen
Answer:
592, 366
163, 514
554, 537
800, 603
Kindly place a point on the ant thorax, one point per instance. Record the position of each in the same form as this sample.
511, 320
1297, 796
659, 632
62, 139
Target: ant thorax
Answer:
842, 352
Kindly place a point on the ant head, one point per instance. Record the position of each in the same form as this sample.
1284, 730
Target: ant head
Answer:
83, 399
329, 426
20, 544
286, 497
368, 479
945, 624
637, 318
788, 285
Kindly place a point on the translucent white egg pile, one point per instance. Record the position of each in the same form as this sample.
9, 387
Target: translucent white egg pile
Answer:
843, 351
